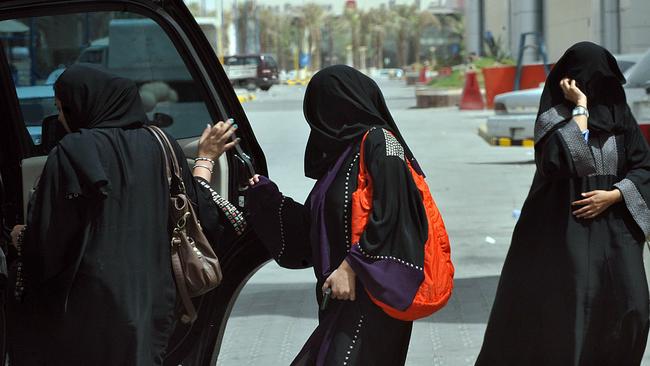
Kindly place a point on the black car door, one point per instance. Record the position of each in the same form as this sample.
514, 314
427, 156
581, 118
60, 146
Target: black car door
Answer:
158, 44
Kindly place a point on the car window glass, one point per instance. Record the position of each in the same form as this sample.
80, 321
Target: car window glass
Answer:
230, 61
252, 61
124, 43
270, 62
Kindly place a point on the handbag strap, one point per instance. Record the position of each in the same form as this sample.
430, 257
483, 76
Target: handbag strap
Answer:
172, 166
177, 268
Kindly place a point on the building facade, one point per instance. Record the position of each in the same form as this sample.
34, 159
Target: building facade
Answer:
622, 26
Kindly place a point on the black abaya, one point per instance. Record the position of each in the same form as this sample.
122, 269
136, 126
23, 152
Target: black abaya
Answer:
573, 291
98, 283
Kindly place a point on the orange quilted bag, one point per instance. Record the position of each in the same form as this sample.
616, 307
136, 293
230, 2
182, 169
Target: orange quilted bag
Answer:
435, 290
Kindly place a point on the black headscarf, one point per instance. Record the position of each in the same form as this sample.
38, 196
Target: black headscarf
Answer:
598, 76
340, 105
92, 98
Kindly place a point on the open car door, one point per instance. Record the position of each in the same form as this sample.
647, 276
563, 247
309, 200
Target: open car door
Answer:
157, 44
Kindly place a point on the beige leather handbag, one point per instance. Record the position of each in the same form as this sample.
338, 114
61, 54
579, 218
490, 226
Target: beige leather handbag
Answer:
195, 265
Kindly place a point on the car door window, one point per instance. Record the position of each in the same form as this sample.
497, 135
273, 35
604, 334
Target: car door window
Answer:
126, 44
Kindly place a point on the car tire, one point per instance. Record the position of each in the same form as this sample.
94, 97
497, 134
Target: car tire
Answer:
251, 86
265, 87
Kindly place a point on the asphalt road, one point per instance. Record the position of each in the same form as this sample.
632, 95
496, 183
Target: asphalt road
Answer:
476, 186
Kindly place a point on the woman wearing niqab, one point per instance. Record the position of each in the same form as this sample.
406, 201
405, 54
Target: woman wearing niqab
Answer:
341, 105
96, 286
573, 289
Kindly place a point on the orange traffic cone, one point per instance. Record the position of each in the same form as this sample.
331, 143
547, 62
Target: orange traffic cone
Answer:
471, 98
423, 75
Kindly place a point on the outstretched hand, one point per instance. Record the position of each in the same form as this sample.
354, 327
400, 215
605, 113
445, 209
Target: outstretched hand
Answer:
216, 140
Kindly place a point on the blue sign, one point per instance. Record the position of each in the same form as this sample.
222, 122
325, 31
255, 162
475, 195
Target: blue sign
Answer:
305, 59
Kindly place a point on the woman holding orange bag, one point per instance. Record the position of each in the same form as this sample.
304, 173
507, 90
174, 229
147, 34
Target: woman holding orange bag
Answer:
367, 243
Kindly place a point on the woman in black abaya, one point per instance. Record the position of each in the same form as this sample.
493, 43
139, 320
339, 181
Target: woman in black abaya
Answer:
573, 289
94, 283
342, 105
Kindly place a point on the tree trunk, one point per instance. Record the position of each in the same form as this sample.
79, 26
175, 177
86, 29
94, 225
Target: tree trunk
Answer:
355, 46
316, 43
380, 50
401, 50
416, 46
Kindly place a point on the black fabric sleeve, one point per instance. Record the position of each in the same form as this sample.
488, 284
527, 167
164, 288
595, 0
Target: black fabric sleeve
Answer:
635, 187
55, 229
281, 224
564, 153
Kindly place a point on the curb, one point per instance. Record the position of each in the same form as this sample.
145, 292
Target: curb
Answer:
301, 82
246, 97
504, 141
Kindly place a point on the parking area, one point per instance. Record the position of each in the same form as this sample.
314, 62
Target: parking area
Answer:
476, 186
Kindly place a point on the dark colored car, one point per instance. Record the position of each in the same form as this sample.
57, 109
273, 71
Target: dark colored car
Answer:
181, 79
266, 68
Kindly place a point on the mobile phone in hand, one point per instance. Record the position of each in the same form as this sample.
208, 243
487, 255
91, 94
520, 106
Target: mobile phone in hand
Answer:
326, 298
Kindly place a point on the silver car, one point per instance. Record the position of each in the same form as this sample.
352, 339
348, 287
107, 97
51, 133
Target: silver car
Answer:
515, 112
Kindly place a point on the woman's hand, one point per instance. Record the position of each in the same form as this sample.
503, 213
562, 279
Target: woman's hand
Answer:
216, 140
342, 283
596, 202
253, 181
572, 93
15, 233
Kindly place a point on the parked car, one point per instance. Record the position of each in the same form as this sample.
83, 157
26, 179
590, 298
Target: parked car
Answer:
171, 44
515, 112
252, 71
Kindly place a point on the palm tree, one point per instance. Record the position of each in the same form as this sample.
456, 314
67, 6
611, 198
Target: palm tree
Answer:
403, 16
353, 18
268, 29
313, 15
225, 32
423, 20
379, 27
245, 12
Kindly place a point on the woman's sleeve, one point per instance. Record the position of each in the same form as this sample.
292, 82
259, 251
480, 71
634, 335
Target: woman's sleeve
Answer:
389, 257
281, 224
55, 224
564, 153
635, 187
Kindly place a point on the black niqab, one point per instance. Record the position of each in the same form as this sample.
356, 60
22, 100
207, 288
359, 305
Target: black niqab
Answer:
341, 104
598, 76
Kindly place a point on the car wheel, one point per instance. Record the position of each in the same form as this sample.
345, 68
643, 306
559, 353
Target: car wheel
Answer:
265, 87
250, 86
